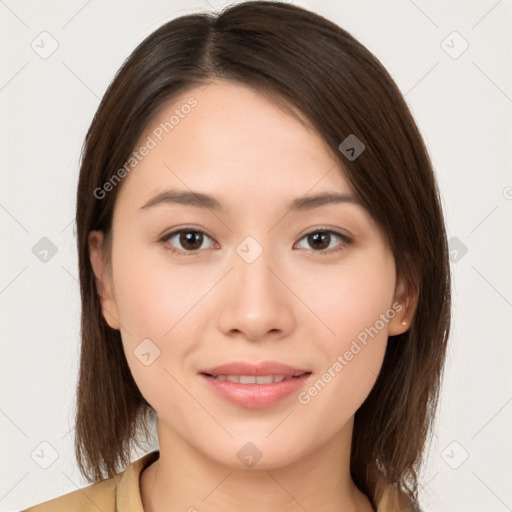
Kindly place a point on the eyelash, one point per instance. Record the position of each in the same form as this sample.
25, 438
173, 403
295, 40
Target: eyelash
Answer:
346, 241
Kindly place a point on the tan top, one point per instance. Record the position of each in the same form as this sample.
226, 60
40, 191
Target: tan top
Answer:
121, 493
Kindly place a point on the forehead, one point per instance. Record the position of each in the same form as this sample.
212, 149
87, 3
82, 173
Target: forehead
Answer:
230, 140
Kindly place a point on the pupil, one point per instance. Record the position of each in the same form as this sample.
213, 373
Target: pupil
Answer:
320, 239
187, 239
320, 236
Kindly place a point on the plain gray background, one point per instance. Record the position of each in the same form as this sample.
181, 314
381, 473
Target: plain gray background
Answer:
461, 99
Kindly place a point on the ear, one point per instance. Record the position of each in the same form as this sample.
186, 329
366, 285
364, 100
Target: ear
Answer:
103, 279
407, 297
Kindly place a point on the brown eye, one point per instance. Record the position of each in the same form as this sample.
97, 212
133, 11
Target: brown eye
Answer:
186, 240
191, 240
319, 240
324, 241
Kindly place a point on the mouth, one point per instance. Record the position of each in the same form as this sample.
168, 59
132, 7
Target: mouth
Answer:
255, 379
255, 386
263, 369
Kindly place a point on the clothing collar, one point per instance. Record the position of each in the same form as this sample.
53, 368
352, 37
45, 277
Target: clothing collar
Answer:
128, 498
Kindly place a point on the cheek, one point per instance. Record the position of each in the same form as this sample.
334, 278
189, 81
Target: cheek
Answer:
355, 305
154, 309
162, 304
152, 295
353, 296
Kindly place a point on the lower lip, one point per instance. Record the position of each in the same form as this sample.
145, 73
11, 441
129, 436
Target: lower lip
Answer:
256, 395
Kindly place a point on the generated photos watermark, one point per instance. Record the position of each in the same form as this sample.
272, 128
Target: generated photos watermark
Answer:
305, 397
142, 151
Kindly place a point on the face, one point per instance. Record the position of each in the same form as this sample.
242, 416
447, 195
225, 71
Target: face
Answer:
250, 277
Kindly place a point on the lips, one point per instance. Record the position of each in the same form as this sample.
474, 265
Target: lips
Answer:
262, 369
255, 386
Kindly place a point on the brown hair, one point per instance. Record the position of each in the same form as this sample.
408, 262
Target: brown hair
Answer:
307, 62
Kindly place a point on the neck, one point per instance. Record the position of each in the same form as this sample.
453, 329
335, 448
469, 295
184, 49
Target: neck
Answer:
185, 479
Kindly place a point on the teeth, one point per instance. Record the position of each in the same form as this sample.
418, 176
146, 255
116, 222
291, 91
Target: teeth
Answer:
249, 379
252, 379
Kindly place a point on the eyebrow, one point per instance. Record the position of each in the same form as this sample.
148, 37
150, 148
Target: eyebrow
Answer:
202, 200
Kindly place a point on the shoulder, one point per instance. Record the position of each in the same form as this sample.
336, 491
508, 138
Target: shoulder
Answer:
121, 493
392, 499
98, 496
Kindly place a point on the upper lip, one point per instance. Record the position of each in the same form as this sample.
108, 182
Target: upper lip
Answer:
264, 368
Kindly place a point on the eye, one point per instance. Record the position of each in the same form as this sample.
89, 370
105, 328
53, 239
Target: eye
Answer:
321, 239
190, 240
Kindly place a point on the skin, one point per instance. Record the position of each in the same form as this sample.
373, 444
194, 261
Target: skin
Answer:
293, 304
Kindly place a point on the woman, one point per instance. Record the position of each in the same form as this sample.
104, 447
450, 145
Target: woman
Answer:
264, 272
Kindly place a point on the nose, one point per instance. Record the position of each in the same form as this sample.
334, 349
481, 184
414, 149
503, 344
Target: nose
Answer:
256, 303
